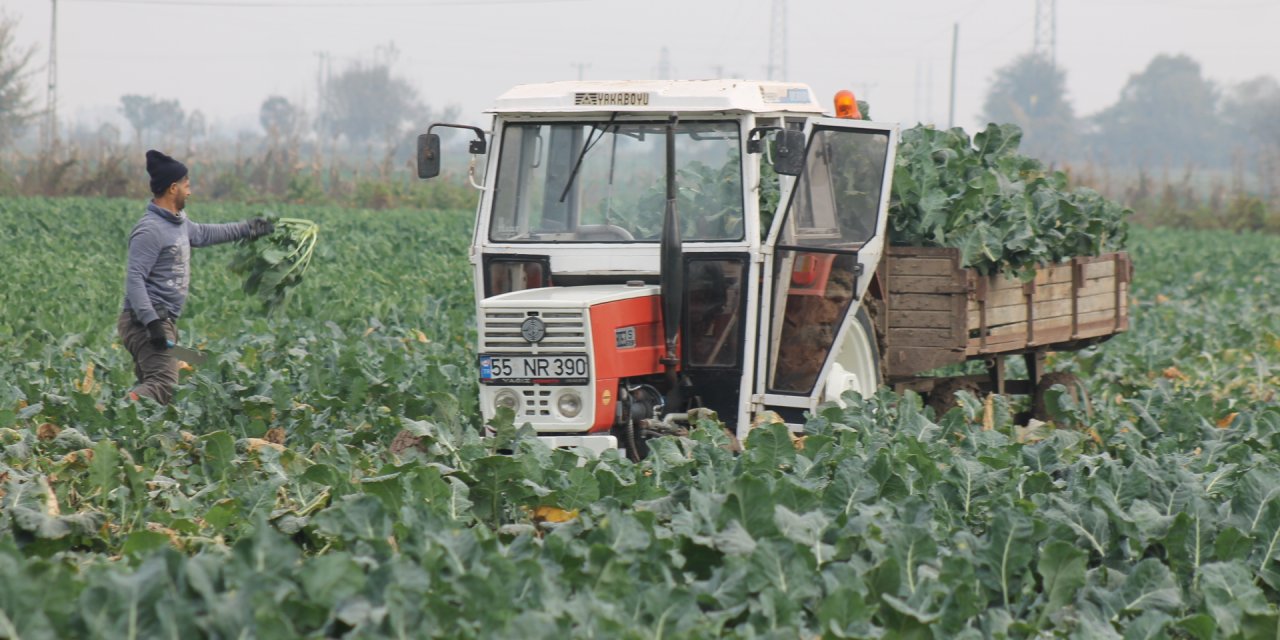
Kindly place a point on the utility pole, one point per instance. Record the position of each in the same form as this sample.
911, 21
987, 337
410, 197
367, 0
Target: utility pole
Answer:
919, 92
664, 64
864, 91
777, 69
322, 84
955, 48
929, 88
1046, 34
581, 67
51, 106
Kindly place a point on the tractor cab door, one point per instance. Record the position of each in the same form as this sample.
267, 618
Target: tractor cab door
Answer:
828, 236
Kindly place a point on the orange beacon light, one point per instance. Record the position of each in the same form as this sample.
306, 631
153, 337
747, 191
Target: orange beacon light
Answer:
846, 105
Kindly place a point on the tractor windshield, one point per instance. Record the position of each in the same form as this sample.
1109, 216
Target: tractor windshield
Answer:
605, 182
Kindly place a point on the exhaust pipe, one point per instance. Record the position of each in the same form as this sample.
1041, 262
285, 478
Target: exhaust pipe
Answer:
671, 275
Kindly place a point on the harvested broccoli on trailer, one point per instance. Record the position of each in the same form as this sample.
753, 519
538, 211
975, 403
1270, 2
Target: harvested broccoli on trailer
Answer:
274, 264
1006, 212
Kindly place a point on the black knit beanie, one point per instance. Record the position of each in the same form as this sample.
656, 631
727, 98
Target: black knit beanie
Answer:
164, 170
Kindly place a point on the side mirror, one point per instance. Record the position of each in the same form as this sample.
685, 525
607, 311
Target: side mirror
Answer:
755, 139
788, 158
428, 155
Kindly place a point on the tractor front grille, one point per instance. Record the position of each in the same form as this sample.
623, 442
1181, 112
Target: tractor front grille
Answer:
500, 333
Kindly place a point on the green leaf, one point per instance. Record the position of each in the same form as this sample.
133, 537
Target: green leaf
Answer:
751, 502
1008, 552
806, 529
330, 578
219, 452
844, 613
1231, 544
769, 447
1151, 587
222, 514
38, 523
1198, 626
104, 470
1062, 573
1151, 625
581, 490
355, 518
1229, 594
140, 542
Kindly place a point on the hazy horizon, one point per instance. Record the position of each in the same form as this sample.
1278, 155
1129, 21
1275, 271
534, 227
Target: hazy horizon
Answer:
225, 58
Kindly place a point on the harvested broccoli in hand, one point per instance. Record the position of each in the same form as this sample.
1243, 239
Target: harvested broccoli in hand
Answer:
274, 264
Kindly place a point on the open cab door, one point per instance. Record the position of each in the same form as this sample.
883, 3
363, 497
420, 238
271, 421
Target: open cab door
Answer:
827, 239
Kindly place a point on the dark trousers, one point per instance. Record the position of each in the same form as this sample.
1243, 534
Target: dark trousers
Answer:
156, 369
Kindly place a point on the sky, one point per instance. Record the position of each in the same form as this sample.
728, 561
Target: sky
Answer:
224, 57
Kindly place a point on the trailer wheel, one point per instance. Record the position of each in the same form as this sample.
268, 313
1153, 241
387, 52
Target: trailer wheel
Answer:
1075, 388
857, 363
942, 397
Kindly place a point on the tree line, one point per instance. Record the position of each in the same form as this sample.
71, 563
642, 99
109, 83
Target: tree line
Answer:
1169, 115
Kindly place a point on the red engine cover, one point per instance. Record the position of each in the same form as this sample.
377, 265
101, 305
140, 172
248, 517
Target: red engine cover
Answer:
626, 341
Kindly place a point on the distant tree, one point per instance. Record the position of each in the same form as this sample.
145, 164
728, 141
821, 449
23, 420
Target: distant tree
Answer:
366, 102
169, 118
108, 134
451, 113
1166, 116
1252, 112
279, 118
148, 113
15, 92
197, 127
1251, 117
1031, 92
137, 110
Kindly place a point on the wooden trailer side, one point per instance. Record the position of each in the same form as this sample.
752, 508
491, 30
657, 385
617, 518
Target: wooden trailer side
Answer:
925, 309
1081, 299
938, 313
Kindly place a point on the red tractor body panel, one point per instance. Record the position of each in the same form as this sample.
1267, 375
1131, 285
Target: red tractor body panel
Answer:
626, 342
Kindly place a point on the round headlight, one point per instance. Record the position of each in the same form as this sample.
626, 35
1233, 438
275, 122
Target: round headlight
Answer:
506, 398
569, 404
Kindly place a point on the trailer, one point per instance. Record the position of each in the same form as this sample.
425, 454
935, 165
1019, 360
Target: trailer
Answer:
933, 312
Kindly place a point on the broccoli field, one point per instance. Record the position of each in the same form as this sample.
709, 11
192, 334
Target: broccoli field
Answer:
325, 472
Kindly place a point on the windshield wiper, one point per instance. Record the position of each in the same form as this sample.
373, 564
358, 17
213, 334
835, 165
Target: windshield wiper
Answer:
577, 164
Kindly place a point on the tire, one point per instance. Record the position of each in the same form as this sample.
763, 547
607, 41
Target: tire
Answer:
859, 357
1071, 381
942, 398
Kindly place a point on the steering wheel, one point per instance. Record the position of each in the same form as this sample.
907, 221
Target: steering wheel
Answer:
602, 232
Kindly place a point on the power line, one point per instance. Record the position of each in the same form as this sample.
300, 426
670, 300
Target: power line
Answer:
309, 4
664, 64
955, 51
777, 69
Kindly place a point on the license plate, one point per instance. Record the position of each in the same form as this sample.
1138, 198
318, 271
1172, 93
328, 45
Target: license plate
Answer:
549, 369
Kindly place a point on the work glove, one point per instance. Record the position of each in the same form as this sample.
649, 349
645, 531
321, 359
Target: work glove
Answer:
259, 227
158, 338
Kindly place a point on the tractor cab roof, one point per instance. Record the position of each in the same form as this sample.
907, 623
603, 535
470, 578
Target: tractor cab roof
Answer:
658, 96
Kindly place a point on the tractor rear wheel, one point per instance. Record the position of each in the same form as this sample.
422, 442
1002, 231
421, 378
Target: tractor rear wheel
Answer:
857, 363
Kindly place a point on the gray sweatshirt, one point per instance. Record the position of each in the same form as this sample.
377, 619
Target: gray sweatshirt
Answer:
159, 259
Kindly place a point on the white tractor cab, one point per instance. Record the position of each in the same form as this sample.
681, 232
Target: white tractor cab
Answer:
646, 249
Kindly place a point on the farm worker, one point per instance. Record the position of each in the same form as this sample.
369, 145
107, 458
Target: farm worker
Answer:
158, 272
